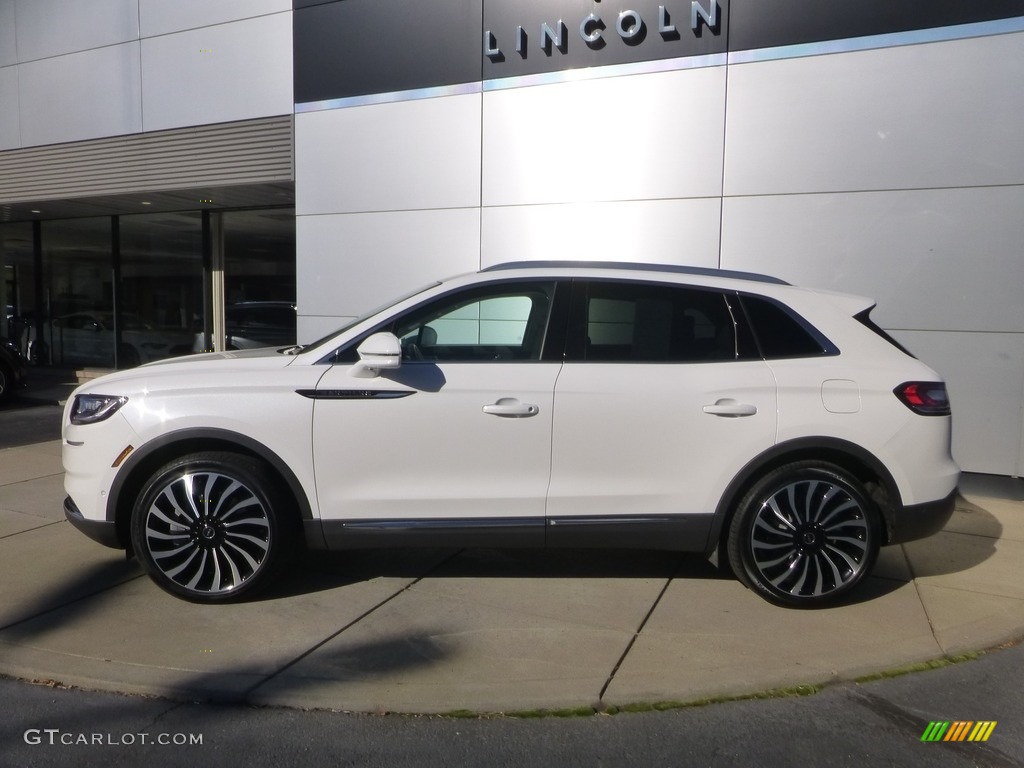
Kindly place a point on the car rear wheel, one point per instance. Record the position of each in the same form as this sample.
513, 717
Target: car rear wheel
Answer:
210, 527
4, 387
804, 535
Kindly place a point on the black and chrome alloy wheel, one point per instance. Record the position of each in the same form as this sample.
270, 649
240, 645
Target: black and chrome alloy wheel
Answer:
806, 534
206, 528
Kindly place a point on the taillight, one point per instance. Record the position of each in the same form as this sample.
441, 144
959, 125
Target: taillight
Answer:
927, 398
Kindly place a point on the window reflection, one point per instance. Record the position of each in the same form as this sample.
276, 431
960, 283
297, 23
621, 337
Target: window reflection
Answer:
162, 285
126, 290
78, 292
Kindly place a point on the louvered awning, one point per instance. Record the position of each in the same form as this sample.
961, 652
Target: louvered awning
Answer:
231, 165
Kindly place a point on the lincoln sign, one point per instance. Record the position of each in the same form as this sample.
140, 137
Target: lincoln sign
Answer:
629, 25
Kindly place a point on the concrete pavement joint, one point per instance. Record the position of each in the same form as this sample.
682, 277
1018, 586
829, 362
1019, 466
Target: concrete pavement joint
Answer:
72, 601
312, 649
920, 598
34, 528
636, 635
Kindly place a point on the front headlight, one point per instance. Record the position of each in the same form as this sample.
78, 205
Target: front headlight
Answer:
89, 409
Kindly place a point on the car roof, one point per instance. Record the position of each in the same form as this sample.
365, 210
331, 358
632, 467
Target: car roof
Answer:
677, 269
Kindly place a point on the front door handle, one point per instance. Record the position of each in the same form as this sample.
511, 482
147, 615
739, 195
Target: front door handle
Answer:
730, 408
511, 408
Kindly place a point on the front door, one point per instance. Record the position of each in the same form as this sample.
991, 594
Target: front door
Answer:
457, 441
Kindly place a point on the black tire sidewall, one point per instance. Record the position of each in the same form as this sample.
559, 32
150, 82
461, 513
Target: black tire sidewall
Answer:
738, 548
249, 471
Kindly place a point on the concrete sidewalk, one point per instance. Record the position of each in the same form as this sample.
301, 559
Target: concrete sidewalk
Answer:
487, 631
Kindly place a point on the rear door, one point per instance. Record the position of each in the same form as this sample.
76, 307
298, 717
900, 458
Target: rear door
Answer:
661, 401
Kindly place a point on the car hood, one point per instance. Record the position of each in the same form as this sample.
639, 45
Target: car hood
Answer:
234, 354
212, 365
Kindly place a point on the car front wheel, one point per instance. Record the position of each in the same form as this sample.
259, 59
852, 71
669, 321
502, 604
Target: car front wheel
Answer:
210, 527
804, 535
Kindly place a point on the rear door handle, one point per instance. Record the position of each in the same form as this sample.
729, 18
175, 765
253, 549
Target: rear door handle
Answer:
730, 408
511, 408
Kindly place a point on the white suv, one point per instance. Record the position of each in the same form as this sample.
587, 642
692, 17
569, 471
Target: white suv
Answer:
536, 404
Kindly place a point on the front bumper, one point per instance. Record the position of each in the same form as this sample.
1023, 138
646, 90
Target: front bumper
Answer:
103, 531
921, 520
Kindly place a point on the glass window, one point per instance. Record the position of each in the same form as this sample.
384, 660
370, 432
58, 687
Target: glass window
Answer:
636, 322
495, 322
17, 288
78, 294
161, 292
259, 278
780, 334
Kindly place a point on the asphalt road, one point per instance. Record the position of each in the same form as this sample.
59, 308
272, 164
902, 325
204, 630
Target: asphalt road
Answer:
870, 724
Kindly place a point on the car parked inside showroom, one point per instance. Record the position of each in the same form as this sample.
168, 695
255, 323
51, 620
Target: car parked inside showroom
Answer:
254, 324
533, 404
13, 369
87, 338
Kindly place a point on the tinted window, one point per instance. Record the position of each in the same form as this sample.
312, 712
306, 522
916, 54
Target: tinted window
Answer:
781, 334
638, 322
495, 322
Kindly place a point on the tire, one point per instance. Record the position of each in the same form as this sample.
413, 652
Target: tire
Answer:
5, 390
211, 528
805, 535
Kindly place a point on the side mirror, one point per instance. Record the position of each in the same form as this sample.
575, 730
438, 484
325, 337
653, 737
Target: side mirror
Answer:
379, 352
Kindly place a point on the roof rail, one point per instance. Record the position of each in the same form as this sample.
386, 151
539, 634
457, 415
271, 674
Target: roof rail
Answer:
678, 269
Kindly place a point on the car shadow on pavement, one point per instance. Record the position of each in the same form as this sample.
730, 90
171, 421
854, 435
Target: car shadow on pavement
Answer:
65, 601
319, 571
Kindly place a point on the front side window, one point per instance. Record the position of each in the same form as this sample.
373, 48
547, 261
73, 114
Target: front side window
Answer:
639, 322
489, 323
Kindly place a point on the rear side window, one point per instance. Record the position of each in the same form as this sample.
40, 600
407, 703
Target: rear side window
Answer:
780, 333
640, 322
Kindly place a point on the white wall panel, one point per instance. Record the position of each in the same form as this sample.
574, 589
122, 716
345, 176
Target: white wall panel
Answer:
626, 138
159, 17
352, 263
655, 231
938, 115
81, 95
10, 112
933, 259
227, 72
985, 376
407, 155
55, 27
8, 36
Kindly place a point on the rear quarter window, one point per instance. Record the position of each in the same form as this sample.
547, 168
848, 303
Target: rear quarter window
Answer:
781, 333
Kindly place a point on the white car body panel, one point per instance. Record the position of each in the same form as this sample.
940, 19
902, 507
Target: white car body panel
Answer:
394, 458
635, 439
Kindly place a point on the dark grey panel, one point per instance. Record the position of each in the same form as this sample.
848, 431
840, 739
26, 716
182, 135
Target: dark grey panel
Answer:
678, 533
359, 47
621, 32
351, 48
474, 532
682, 533
769, 23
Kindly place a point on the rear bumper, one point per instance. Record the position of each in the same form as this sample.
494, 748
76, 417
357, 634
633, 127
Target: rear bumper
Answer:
921, 520
103, 531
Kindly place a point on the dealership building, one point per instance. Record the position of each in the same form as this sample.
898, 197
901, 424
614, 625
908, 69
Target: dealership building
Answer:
163, 162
